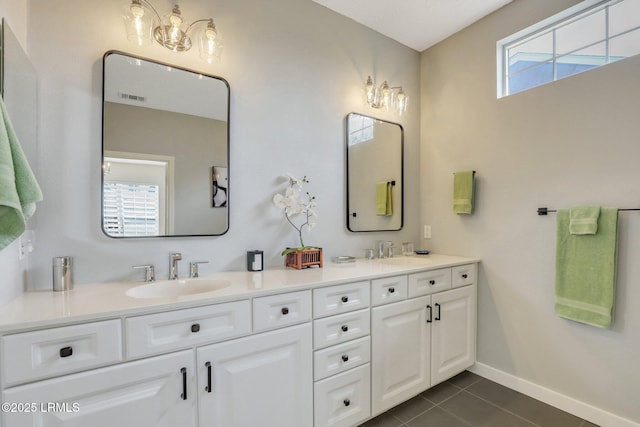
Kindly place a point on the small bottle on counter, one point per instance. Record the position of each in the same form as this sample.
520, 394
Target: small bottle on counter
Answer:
62, 273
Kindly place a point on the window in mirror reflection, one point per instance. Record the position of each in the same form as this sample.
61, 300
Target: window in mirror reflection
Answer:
137, 194
361, 129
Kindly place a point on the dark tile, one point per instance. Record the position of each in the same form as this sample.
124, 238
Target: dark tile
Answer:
588, 424
441, 392
411, 408
383, 420
524, 406
436, 417
481, 413
464, 379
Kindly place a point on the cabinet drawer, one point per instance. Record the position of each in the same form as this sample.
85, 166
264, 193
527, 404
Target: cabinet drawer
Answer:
343, 400
51, 352
277, 311
389, 289
463, 275
429, 282
338, 329
163, 332
340, 358
340, 299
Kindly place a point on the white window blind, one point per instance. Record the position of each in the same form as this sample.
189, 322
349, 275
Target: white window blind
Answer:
131, 209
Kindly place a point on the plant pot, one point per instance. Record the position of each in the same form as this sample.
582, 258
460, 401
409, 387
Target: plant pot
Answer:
304, 258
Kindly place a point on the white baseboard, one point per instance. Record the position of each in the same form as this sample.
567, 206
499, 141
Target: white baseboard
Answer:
553, 398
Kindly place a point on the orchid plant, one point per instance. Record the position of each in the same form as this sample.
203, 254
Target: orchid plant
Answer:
297, 205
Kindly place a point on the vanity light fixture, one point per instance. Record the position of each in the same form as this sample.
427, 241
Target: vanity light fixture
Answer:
144, 24
386, 97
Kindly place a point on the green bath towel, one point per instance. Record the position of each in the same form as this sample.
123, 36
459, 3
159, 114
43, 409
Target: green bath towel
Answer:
463, 192
586, 270
19, 190
384, 201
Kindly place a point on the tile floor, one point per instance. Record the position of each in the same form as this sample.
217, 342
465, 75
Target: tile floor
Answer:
470, 400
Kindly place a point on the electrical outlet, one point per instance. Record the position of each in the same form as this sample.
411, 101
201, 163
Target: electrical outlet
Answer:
26, 244
427, 231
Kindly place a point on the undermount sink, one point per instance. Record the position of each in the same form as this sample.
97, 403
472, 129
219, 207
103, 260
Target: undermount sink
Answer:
177, 288
406, 260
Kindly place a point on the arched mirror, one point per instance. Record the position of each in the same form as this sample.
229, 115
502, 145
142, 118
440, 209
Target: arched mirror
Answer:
375, 174
165, 150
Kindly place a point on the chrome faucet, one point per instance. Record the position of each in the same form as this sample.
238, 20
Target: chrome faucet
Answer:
173, 265
381, 247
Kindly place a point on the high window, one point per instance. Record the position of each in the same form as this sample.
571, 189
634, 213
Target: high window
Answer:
586, 36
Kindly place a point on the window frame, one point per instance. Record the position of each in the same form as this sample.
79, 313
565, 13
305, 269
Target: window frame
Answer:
550, 25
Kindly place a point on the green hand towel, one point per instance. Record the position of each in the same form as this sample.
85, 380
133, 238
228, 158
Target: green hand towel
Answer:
586, 270
463, 192
19, 190
384, 200
584, 219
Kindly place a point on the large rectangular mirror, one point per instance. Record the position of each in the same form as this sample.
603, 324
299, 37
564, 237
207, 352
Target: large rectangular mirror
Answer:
165, 150
375, 174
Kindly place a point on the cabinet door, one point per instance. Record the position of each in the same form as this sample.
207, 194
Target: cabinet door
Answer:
453, 333
263, 380
400, 352
145, 393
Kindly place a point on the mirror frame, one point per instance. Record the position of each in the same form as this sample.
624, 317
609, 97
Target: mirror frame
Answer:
228, 106
348, 213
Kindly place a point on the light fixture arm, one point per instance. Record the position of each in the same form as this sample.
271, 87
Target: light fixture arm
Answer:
199, 20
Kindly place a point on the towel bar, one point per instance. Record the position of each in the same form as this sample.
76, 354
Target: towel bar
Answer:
544, 211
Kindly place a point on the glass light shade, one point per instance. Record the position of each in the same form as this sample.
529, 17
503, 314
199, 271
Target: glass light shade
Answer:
138, 22
209, 42
386, 95
402, 101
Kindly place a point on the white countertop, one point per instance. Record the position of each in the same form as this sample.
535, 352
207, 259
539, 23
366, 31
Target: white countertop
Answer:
37, 309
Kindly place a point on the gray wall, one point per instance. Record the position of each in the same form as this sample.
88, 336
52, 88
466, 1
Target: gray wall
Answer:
568, 143
295, 69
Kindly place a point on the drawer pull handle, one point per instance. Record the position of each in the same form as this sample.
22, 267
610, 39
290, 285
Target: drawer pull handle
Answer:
392, 290
195, 327
438, 315
344, 328
345, 358
430, 319
183, 396
208, 387
346, 402
464, 276
285, 311
432, 282
66, 351
345, 299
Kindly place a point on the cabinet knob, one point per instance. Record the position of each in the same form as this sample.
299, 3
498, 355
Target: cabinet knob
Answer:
66, 351
285, 311
195, 327
345, 358
345, 299
346, 402
344, 328
432, 282
392, 290
464, 276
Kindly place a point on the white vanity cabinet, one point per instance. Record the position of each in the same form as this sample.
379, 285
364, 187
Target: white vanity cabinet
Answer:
155, 392
422, 341
262, 380
325, 354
